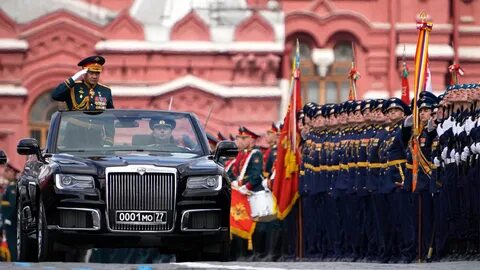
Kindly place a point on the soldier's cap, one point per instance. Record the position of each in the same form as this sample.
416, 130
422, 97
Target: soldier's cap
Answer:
300, 115
243, 131
312, 112
212, 139
349, 106
357, 105
427, 94
162, 122
307, 107
318, 111
10, 166
93, 63
378, 104
332, 109
426, 102
453, 87
231, 137
367, 104
273, 128
397, 103
221, 137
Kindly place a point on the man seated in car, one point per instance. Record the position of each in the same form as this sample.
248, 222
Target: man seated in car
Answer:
162, 131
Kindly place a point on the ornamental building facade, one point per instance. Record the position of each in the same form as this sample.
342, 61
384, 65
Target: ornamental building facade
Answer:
228, 57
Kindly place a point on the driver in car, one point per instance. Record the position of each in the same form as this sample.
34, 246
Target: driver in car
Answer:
162, 131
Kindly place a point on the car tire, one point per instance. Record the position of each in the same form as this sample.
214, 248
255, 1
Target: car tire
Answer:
26, 248
45, 239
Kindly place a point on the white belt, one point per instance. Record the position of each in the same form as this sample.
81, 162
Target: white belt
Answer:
449, 160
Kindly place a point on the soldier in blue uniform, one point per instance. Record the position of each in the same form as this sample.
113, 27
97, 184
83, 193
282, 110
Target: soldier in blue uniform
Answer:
421, 198
87, 94
376, 163
399, 240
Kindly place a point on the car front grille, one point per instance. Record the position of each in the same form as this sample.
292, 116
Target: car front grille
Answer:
150, 191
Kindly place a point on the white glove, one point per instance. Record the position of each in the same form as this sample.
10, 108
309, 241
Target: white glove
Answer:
436, 162
235, 184
469, 124
8, 222
465, 154
444, 153
408, 122
473, 149
452, 154
457, 158
244, 190
79, 74
440, 130
477, 147
447, 124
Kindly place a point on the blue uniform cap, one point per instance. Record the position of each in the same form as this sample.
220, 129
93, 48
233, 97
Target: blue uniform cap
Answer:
397, 103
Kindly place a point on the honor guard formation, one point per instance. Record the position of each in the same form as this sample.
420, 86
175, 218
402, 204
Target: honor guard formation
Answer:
360, 197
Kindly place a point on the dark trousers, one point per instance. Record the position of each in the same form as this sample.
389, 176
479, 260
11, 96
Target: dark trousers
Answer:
406, 213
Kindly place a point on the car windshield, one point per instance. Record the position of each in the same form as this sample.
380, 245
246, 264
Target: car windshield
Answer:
128, 131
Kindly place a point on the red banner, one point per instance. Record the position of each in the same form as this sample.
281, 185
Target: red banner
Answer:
285, 185
241, 223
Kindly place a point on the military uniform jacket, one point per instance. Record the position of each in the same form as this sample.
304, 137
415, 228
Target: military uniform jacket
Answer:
9, 200
373, 157
423, 177
396, 159
79, 95
253, 172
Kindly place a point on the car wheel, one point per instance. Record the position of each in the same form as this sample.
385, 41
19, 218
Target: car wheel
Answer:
44, 239
25, 246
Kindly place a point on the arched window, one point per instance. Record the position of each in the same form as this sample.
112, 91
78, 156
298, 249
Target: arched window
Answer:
333, 87
337, 84
40, 114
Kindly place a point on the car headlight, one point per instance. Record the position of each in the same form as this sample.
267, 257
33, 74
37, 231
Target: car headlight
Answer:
212, 182
74, 182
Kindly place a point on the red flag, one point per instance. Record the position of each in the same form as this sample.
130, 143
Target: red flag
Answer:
285, 185
241, 223
405, 87
4, 251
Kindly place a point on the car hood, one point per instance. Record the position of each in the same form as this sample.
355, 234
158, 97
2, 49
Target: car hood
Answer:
97, 164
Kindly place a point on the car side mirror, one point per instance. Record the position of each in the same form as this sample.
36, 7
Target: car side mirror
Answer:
3, 158
226, 149
29, 146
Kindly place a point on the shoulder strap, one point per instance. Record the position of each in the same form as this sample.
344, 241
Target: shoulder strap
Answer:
245, 165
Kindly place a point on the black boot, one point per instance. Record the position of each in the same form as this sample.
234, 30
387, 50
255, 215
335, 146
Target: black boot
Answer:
274, 246
259, 245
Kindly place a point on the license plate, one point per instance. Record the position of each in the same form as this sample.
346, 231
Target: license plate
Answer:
141, 217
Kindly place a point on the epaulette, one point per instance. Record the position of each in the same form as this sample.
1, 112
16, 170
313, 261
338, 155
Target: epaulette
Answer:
106, 86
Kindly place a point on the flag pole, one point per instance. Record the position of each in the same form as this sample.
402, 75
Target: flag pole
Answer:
424, 25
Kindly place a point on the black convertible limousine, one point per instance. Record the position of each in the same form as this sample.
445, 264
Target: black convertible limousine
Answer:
124, 178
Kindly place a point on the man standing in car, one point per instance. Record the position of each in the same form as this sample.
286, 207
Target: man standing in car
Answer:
87, 94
